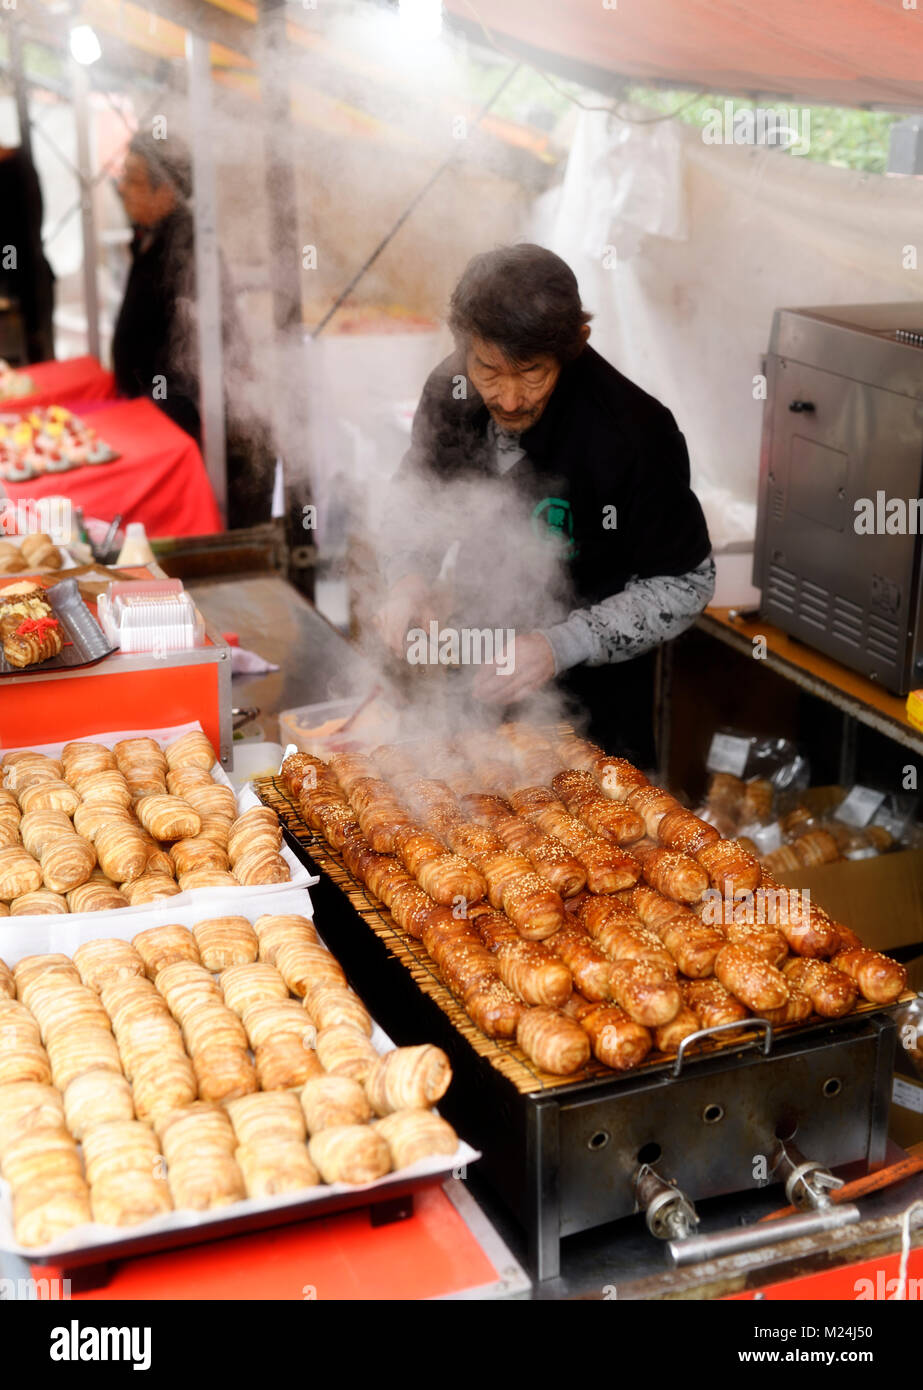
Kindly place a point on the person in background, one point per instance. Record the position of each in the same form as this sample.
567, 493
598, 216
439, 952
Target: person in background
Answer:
155, 344
595, 466
26, 278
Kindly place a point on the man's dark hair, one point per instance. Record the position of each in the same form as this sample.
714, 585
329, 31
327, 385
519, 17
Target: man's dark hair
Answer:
524, 299
167, 161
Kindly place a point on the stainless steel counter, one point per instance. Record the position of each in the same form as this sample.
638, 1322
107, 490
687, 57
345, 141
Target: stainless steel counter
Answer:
316, 662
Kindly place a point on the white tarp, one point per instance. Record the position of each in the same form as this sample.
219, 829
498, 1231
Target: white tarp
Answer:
684, 249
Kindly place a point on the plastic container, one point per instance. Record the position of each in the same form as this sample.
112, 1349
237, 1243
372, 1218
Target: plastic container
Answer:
155, 615
316, 728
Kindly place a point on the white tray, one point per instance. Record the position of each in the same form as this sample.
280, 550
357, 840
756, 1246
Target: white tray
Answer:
194, 897
93, 1243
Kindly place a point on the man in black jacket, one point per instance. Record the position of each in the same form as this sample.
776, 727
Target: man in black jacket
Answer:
534, 420
155, 344
25, 275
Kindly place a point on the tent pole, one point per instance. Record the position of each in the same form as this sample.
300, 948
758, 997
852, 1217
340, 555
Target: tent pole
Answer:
207, 268
81, 88
21, 89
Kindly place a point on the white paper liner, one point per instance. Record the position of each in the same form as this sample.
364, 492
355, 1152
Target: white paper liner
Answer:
194, 897
65, 935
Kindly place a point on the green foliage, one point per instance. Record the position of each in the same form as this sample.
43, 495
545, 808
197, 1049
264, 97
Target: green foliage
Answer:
840, 135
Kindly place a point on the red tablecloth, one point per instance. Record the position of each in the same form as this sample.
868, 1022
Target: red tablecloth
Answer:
159, 479
67, 383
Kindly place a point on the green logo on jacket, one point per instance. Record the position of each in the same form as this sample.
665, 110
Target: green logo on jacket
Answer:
553, 520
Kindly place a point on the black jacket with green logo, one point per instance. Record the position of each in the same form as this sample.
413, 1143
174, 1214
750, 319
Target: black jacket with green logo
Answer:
607, 469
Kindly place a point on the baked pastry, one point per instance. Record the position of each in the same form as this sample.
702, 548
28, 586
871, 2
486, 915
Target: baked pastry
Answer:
196, 853
121, 851
120, 1146
48, 796
7, 982
66, 862
27, 1105
90, 817
301, 966
127, 1199
275, 1168
552, 1040
263, 1116
39, 828
161, 1083
31, 968
226, 941
615, 1039
106, 959
29, 1062
149, 888
881, 980
243, 985
352, 1154
168, 817
207, 878
41, 903
332, 1101
831, 991
529, 968
408, 1078
33, 641
346, 1051
415, 1134
285, 1063
731, 869
261, 866
711, 1003
75, 1051
95, 1098
328, 1005
753, 980
668, 1036
202, 1184
589, 965
185, 984
224, 1072
676, 876
201, 1127
647, 991
82, 756
163, 945
267, 1020
102, 785
96, 895
212, 1025
190, 750
19, 873
212, 799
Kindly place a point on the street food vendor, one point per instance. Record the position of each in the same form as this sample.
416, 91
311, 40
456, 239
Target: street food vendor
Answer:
601, 471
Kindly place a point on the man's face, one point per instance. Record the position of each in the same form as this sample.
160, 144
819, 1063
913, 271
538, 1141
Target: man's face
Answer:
144, 204
515, 394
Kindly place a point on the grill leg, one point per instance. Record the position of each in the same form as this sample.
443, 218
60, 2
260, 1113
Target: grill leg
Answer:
543, 1198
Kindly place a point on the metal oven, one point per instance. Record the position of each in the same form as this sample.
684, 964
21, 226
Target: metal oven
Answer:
840, 515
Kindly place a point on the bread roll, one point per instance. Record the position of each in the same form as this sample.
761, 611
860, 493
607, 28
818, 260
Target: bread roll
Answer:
353, 1154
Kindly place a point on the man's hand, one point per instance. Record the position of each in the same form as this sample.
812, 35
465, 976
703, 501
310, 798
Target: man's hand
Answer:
532, 667
411, 603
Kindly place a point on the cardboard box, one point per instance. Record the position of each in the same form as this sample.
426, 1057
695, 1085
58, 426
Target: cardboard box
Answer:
881, 898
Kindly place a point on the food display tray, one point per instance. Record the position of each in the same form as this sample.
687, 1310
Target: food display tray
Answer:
85, 643
563, 1153
505, 1057
90, 1249
208, 900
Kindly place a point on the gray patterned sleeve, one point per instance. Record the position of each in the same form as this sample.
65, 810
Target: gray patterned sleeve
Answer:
647, 613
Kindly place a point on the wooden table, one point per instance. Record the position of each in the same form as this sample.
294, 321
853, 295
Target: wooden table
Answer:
857, 696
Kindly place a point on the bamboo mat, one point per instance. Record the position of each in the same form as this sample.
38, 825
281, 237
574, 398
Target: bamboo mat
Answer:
504, 1057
